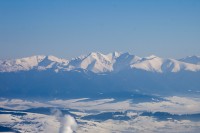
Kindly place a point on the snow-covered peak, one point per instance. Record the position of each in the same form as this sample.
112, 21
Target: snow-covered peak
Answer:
160, 65
150, 63
30, 60
55, 59
52, 62
100, 63
113, 55
97, 56
116, 54
151, 57
39, 62
20, 64
95, 62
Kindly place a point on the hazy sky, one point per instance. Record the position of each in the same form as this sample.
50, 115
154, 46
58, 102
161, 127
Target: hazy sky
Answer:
68, 28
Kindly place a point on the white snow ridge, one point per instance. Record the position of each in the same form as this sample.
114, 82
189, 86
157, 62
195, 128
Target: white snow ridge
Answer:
100, 63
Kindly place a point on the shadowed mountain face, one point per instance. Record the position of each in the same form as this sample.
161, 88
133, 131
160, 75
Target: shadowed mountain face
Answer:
88, 84
191, 59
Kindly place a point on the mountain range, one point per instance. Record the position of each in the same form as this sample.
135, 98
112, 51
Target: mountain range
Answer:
99, 63
99, 75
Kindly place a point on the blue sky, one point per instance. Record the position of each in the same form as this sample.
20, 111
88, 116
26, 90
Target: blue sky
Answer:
167, 28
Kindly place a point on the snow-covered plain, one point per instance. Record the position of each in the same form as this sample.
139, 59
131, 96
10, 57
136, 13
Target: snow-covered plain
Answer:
170, 115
